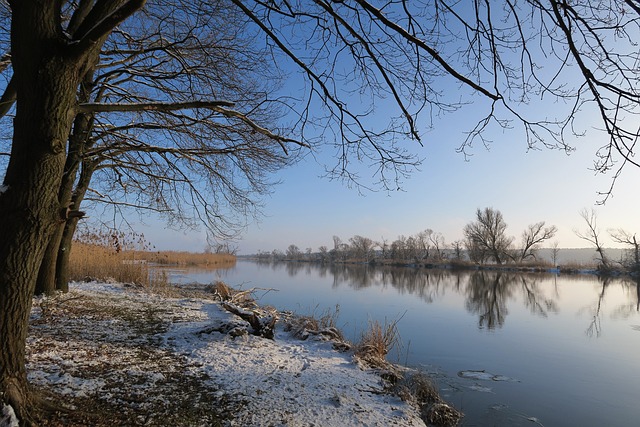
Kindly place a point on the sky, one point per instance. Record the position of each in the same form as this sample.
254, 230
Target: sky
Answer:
527, 186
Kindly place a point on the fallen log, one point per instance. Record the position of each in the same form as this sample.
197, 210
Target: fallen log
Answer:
262, 324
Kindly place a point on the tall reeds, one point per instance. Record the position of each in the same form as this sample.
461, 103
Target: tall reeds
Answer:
92, 261
126, 258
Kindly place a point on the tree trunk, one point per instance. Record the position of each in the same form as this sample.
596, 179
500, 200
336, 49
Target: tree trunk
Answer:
64, 250
46, 281
29, 209
64, 247
78, 142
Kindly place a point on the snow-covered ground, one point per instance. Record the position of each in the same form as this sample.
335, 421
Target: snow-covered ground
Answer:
158, 360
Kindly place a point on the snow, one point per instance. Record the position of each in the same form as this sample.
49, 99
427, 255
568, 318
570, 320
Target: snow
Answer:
257, 381
8, 417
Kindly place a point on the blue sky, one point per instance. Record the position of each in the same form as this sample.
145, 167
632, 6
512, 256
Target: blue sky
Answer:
527, 186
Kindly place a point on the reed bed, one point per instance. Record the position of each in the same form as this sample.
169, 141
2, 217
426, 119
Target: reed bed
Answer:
90, 261
187, 259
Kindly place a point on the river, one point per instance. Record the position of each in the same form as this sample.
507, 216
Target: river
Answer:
507, 349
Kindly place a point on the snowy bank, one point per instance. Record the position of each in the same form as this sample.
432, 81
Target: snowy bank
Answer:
162, 360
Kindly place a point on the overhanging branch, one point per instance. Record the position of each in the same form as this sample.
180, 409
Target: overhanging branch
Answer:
99, 107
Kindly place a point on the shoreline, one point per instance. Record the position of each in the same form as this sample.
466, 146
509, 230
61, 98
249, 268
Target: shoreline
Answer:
153, 358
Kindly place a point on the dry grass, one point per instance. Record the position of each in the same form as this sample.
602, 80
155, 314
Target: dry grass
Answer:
90, 261
189, 259
107, 261
376, 342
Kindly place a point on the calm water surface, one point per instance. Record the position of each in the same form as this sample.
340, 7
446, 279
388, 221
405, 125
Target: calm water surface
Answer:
564, 349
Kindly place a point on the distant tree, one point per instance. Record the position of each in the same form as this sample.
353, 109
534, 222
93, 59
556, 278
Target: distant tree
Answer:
624, 237
362, 247
277, 255
458, 247
344, 251
532, 237
555, 251
384, 247
293, 252
438, 243
486, 236
323, 252
422, 241
223, 248
399, 249
592, 235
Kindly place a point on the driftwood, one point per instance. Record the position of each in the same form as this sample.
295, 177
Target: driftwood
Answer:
261, 323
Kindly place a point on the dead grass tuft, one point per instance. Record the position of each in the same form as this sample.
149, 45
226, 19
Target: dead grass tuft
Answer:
376, 342
420, 391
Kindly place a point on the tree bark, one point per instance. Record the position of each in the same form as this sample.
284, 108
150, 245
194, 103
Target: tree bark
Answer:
46, 79
47, 282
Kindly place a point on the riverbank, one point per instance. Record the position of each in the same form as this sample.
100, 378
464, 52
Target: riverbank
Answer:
111, 354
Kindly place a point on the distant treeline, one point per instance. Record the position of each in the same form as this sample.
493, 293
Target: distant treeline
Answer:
485, 243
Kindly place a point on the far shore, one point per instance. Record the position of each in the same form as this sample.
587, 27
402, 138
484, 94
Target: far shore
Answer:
574, 269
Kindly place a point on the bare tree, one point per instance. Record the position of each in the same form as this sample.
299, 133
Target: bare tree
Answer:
423, 243
216, 162
458, 247
324, 253
399, 249
592, 235
532, 237
293, 252
487, 235
626, 238
402, 52
362, 247
510, 53
438, 242
555, 251
384, 247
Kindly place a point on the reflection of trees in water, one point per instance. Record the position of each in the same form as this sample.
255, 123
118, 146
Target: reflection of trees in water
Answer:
487, 294
425, 284
534, 297
629, 308
632, 306
594, 310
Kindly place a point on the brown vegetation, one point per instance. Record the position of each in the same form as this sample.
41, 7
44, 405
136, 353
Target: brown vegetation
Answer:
188, 259
99, 262
376, 342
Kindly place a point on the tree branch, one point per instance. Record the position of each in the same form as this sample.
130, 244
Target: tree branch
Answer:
99, 107
8, 97
99, 26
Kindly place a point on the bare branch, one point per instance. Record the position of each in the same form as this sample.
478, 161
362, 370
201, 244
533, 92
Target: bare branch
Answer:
99, 107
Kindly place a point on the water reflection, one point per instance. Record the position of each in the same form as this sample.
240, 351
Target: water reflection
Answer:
551, 332
487, 294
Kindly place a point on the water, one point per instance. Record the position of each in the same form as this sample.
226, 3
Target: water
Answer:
555, 350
